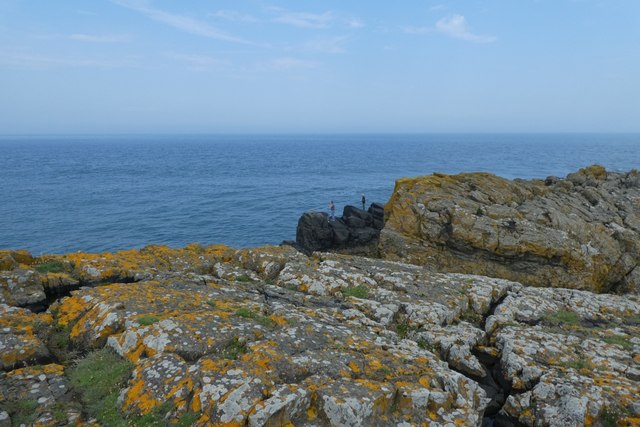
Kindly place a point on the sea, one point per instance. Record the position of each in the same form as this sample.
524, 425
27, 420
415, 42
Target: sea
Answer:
95, 193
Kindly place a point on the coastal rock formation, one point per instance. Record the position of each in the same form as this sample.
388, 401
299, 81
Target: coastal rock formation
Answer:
580, 232
270, 336
356, 228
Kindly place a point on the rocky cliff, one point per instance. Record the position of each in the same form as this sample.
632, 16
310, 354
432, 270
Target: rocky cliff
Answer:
579, 232
270, 336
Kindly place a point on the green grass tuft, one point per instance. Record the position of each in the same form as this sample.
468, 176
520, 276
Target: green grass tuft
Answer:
234, 349
22, 411
356, 291
148, 319
404, 329
562, 317
50, 267
97, 379
247, 313
243, 278
154, 418
188, 419
618, 340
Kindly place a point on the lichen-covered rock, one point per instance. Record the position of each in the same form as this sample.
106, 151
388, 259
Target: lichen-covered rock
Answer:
38, 395
235, 349
21, 333
14, 259
269, 336
581, 232
22, 288
571, 356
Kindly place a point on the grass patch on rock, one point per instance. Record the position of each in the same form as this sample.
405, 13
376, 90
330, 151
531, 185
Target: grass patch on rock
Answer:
50, 267
404, 329
58, 343
618, 340
562, 317
355, 291
247, 313
234, 349
21, 411
243, 278
97, 379
148, 319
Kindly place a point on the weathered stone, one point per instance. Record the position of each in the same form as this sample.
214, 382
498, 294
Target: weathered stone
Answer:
578, 363
534, 232
21, 333
22, 288
270, 336
39, 395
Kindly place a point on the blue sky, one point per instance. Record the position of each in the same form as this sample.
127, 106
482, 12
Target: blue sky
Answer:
196, 66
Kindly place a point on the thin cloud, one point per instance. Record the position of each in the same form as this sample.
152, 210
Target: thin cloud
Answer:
304, 19
106, 38
355, 23
234, 16
332, 45
23, 59
199, 62
180, 22
455, 26
286, 64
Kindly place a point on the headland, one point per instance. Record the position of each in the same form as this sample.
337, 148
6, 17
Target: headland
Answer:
474, 301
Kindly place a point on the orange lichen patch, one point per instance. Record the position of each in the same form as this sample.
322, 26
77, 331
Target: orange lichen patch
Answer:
222, 252
354, 367
213, 366
22, 321
180, 398
278, 320
51, 369
263, 355
424, 382
312, 413
138, 397
23, 347
374, 363
371, 385
71, 309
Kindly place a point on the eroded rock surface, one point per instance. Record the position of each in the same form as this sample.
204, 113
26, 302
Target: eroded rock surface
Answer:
578, 232
270, 336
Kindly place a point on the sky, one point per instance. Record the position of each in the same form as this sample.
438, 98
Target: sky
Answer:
332, 66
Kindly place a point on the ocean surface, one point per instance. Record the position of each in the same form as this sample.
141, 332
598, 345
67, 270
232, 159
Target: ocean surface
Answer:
106, 193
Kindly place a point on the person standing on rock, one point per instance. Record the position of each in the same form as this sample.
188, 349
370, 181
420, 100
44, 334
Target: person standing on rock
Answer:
363, 200
332, 210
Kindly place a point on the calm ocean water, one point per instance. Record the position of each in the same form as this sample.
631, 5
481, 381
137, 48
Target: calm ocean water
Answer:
61, 194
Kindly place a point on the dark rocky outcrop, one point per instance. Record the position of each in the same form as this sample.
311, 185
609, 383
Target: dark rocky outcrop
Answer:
356, 228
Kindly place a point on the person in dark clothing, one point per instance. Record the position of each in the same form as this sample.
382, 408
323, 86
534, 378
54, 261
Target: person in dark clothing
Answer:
363, 201
332, 209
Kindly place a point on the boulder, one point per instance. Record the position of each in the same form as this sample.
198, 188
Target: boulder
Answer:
377, 213
580, 232
356, 228
314, 232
